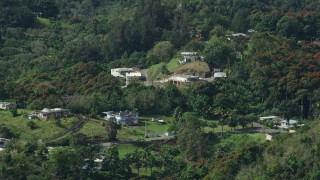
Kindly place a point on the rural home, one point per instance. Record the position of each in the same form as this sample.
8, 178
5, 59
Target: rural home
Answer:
288, 124
120, 72
274, 119
132, 76
189, 56
7, 105
219, 75
123, 117
55, 113
181, 78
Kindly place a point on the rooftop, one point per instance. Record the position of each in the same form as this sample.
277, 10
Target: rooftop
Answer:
269, 117
6, 103
133, 74
190, 53
291, 121
122, 113
219, 74
46, 110
117, 71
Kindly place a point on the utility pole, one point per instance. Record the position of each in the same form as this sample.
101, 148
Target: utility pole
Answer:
145, 128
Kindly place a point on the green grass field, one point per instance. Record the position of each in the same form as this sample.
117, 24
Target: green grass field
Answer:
154, 69
44, 21
156, 127
45, 130
173, 64
130, 133
126, 148
138, 132
191, 67
93, 129
259, 137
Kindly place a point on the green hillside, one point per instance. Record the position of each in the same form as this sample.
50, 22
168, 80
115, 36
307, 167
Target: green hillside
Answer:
287, 156
59, 54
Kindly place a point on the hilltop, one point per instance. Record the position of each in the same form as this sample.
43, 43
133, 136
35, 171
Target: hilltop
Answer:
194, 67
59, 54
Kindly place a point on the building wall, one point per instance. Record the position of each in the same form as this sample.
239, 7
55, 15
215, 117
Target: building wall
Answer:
7, 106
46, 115
124, 119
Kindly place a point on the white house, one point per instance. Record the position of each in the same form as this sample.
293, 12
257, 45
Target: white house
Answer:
219, 75
189, 56
120, 72
182, 78
132, 76
123, 117
239, 35
275, 119
287, 125
7, 105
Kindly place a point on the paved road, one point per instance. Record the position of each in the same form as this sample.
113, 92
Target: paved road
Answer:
156, 75
259, 128
75, 127
161, 138
144, 72
149, 80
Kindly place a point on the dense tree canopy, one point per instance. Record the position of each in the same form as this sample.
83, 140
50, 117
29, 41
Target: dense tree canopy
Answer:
58, 53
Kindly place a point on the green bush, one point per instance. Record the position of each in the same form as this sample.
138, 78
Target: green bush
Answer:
32, 125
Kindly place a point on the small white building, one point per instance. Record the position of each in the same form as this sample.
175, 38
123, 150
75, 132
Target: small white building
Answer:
189, 56
240, 35
288, 124
7, 105
132, 76
219, 75
181, 78
120, 72
170, 133
275, 119
123, 117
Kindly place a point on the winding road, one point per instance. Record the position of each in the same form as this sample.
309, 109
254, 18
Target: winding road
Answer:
74, 128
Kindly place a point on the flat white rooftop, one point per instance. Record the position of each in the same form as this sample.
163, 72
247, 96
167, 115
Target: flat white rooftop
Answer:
133, 74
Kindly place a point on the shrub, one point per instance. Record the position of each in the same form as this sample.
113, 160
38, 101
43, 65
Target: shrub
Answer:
32, 125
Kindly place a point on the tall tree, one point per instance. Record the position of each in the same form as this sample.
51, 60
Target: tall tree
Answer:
219, 52
112, 129
113, 166
190, 140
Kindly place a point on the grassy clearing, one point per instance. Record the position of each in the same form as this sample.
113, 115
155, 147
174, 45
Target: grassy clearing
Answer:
138, 132
93, 129
173, 64
45, 130
192, 67
259, 137
66, 25
156, 127
44, 21
130, 133
126, 148
153, 70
